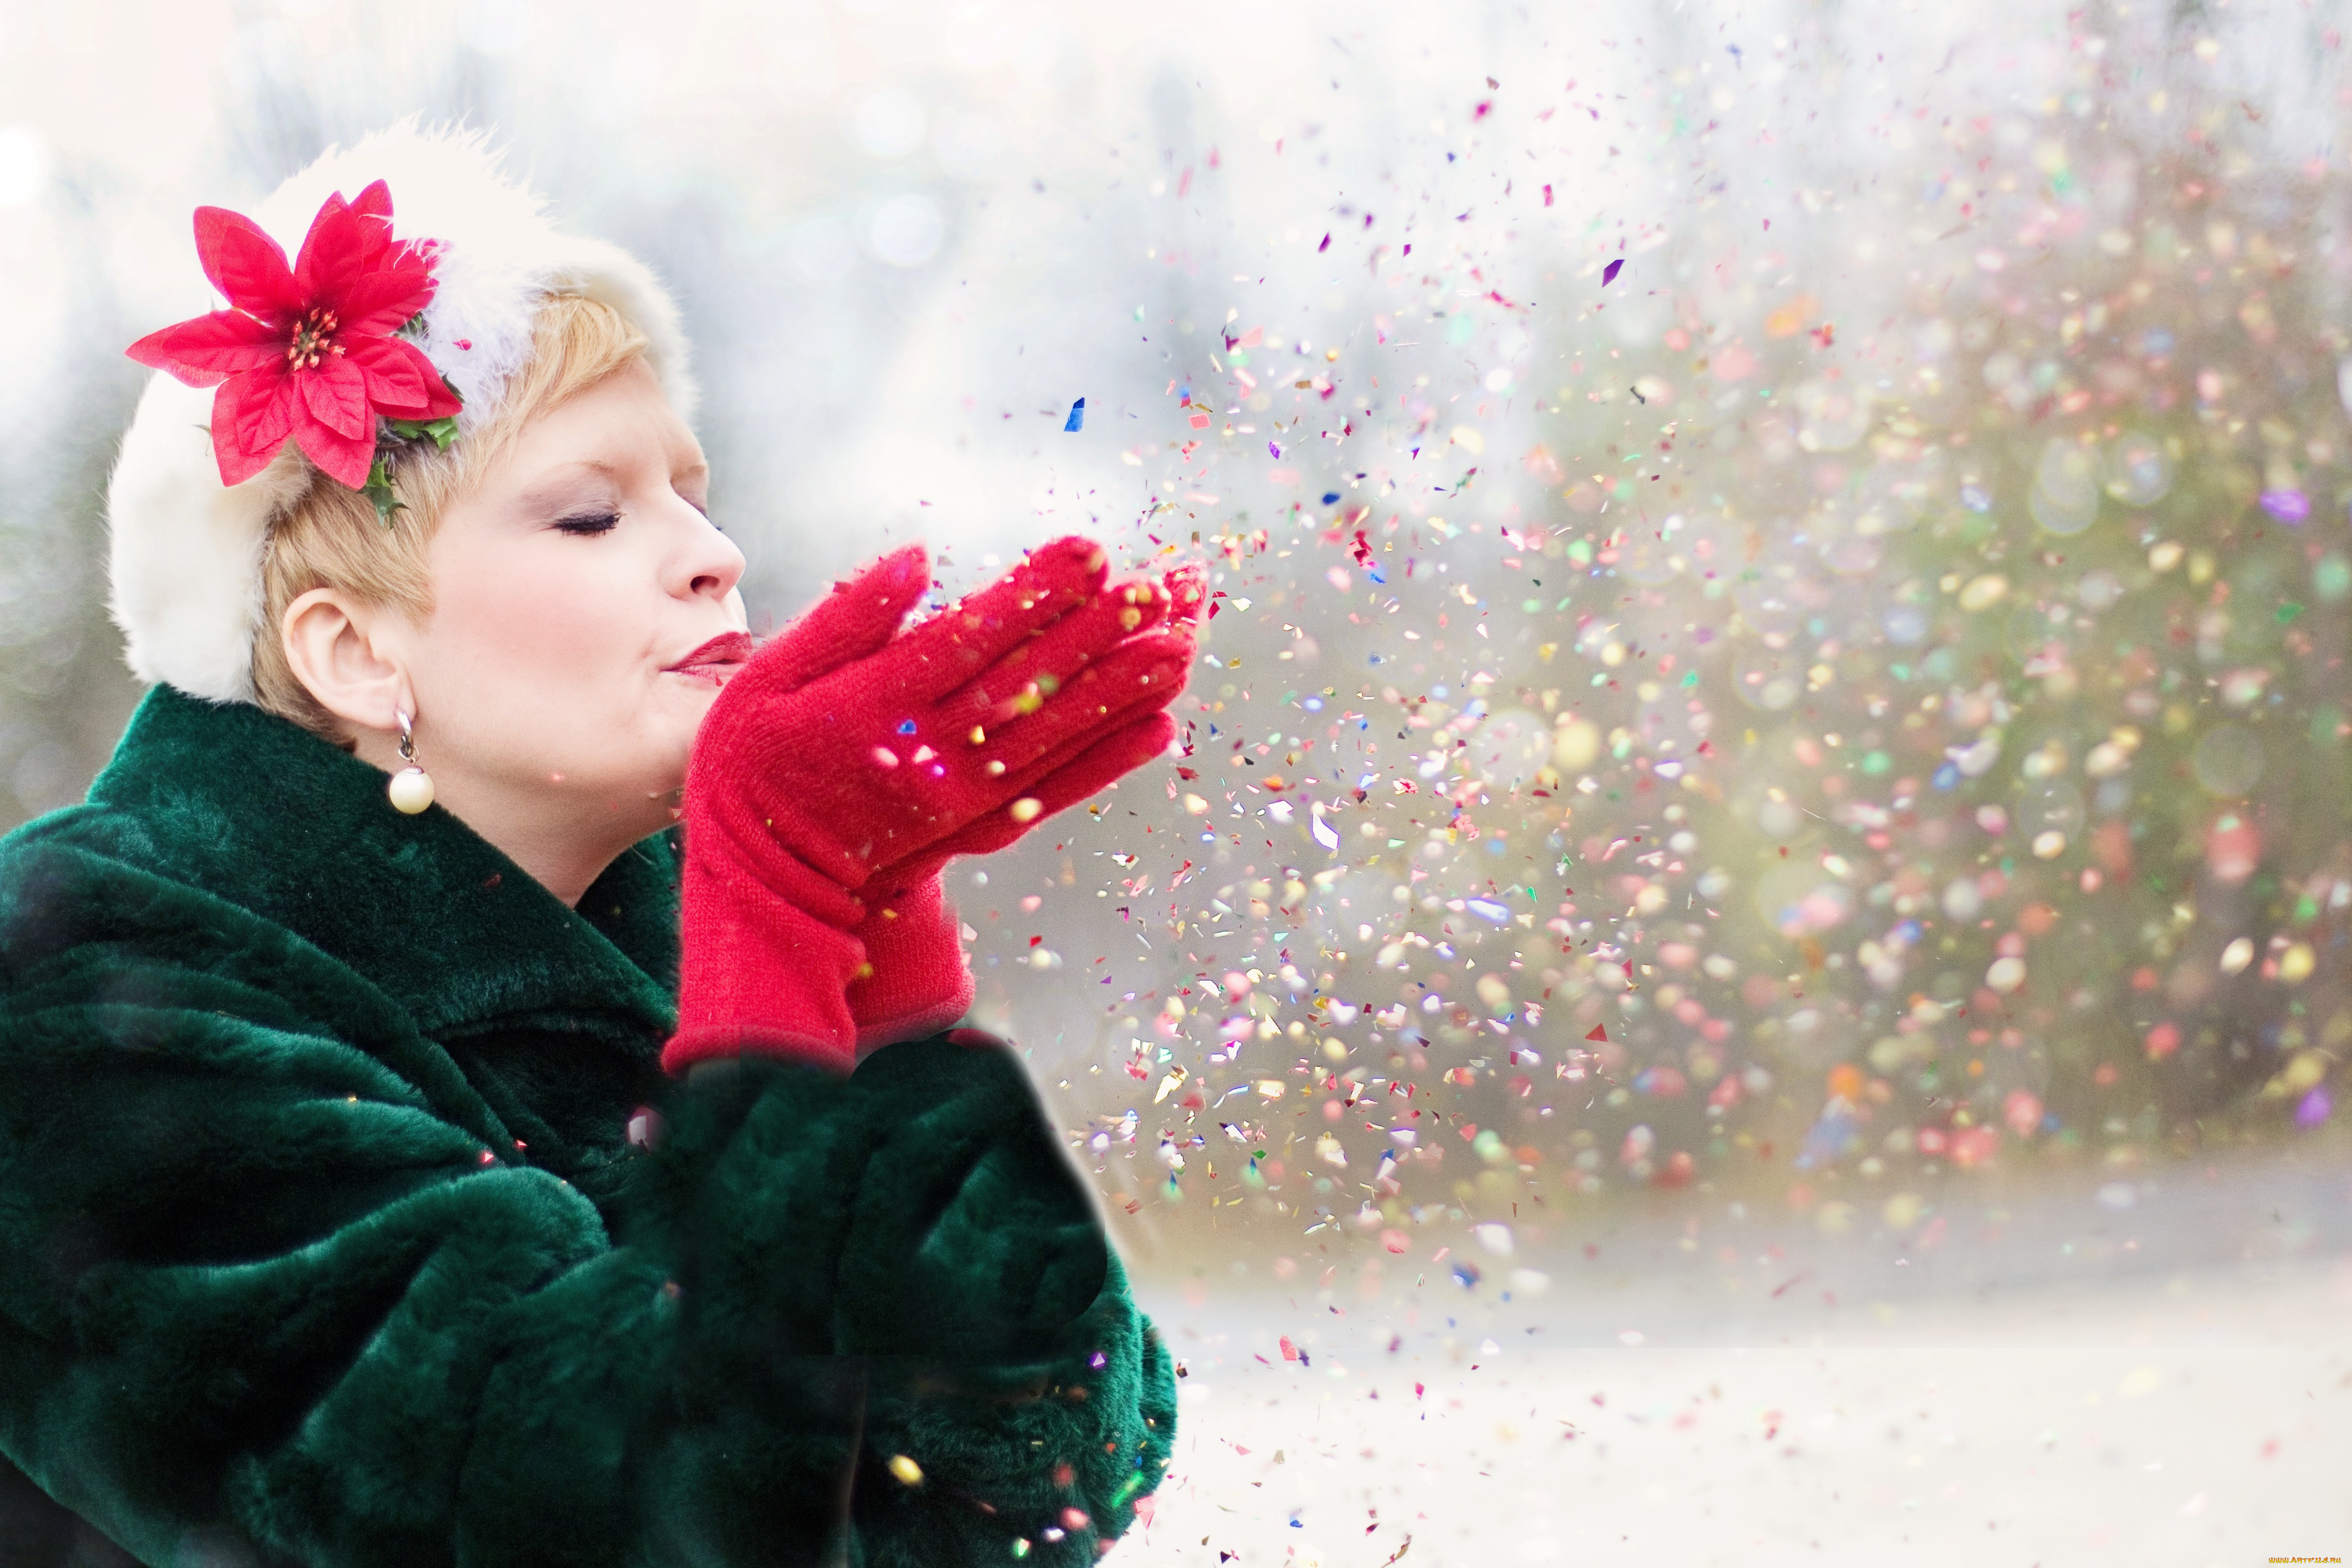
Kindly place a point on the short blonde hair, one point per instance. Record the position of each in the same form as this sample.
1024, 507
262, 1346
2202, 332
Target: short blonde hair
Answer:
330, 536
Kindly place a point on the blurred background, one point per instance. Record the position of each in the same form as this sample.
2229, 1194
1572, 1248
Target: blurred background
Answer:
1776, 708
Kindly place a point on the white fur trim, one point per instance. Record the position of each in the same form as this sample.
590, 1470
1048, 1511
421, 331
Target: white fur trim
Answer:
186, 553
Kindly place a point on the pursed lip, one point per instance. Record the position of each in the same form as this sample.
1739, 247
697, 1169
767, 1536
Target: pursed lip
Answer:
715, 660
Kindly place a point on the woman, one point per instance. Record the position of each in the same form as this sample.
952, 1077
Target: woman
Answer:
386, 1179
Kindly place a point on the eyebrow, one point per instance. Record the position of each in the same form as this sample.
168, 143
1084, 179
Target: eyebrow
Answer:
557, 487
553, 488
593, 465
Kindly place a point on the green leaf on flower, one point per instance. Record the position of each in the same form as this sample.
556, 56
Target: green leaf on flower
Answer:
441, 431
378, 490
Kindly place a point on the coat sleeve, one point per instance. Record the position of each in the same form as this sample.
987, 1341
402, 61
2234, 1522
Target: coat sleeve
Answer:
275, 1297
1015, 1402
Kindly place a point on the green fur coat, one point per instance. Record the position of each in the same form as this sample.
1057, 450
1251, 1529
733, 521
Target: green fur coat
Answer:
346, 1217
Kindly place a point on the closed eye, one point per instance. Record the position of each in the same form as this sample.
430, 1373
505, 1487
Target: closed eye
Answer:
589, 522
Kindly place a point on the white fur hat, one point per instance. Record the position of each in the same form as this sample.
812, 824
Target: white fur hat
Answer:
185, 551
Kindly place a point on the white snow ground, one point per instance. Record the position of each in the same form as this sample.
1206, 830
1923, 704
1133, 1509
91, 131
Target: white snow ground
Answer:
2149, 1370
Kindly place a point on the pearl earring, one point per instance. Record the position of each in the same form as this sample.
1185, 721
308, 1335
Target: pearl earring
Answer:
412, 787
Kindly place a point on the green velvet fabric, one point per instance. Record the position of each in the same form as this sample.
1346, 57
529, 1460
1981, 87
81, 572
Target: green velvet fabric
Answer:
326, 1243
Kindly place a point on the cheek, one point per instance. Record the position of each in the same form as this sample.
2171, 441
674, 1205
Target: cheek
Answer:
546, 669
565, 625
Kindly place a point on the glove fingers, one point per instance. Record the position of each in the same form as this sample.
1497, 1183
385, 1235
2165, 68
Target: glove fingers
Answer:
1085, 763
978, 631
852, 621
1080, 767
1068, 779
1146, 672
1123, 610
1188, 588
1031, 673
1032, 781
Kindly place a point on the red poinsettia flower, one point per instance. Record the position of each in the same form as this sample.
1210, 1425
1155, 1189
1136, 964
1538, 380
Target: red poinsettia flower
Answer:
307, 353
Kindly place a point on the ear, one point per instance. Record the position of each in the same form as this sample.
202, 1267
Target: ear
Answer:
333, 649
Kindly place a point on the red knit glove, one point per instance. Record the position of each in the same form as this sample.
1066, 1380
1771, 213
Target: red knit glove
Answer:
800, 787
756, 954
917, 978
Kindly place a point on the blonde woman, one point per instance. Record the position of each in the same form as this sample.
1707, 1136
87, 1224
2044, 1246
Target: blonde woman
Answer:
476, 1088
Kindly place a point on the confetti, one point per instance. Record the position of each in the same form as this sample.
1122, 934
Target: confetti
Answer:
1707, 737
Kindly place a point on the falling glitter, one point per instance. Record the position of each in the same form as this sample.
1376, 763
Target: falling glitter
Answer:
1766, 729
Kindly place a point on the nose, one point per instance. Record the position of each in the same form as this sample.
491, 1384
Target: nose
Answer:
708, 565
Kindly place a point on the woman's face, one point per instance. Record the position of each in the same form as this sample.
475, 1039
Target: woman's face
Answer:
584, 615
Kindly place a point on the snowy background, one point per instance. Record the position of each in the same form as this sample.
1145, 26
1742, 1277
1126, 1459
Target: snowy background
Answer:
1768, 774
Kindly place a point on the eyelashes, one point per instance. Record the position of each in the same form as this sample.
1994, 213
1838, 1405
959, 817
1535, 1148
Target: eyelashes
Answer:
594, 520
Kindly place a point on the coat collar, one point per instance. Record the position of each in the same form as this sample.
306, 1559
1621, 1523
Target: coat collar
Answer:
261, 812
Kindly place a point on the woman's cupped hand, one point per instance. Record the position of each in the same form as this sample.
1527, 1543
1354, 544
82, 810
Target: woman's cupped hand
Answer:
864, 745
855, 754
